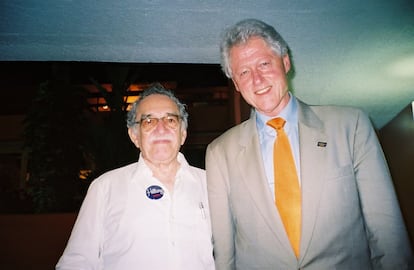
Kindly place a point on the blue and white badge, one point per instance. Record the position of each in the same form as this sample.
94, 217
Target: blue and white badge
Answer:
155, 192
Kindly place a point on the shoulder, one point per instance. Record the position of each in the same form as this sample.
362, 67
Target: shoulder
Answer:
332, 114
115, 177
336, 110
236, 134
190, 170
197, 172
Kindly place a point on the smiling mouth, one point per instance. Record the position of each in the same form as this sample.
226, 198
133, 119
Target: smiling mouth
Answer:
263, 90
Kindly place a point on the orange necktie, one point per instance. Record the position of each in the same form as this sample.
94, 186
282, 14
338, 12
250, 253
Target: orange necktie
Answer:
287, 189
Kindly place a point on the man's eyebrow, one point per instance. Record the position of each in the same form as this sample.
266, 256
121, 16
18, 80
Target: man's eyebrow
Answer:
145, 116
149, 115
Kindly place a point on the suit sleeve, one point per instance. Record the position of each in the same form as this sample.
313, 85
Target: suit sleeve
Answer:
220, 207
387, 235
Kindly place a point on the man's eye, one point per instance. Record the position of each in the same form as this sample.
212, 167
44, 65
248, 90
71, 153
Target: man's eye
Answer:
148, 121
244, 73
172, 119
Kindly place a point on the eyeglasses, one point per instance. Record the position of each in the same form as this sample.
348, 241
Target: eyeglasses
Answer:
170, 121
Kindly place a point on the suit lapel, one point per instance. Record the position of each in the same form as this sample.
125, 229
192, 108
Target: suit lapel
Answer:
312, 144
250, 163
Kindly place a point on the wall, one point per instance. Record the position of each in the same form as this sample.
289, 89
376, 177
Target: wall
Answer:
33, 242
397, 139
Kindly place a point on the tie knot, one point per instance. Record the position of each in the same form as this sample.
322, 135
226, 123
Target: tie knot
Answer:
276, 123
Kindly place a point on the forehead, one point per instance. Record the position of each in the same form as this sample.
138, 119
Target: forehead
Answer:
253, 47
157, 105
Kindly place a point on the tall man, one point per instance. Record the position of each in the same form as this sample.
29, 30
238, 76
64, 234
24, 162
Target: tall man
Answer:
336, 208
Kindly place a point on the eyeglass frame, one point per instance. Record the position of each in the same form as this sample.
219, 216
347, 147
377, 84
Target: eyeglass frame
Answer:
157, 120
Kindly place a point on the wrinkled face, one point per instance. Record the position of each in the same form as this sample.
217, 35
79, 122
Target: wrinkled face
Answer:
159, 143
259, 74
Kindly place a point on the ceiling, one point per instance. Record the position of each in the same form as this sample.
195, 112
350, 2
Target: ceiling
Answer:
358, 53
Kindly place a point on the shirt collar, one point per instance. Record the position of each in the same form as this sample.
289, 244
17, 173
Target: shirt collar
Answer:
143, 168
289, 113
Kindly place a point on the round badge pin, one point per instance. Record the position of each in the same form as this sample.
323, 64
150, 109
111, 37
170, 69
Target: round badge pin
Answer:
155, 192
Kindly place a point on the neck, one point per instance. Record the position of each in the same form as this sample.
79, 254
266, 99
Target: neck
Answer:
165, 172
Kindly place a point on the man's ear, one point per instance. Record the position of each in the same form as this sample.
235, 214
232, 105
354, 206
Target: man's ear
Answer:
183, 136
286, 63
235, 85
133, 135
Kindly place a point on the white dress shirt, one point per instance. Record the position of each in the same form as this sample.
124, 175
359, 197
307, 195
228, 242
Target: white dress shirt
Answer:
122, 224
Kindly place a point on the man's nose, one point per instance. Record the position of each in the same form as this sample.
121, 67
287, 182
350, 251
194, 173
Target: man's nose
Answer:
161, 126
257, 77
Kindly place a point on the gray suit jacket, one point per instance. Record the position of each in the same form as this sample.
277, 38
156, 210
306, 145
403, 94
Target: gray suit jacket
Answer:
350, 214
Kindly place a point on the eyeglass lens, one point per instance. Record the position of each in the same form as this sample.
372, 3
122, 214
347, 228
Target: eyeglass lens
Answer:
171, 121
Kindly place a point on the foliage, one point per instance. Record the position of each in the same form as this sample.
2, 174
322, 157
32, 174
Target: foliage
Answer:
65, 136
54, 133
109, 144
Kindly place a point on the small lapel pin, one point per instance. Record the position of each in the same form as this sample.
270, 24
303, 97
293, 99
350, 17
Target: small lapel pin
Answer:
322, 144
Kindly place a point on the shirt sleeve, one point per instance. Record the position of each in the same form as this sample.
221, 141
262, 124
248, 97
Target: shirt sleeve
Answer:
83, 250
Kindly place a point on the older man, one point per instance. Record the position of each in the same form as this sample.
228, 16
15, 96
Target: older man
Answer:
152, 214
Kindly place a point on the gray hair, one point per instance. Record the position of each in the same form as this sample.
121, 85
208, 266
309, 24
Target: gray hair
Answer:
241, 32
157, 89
